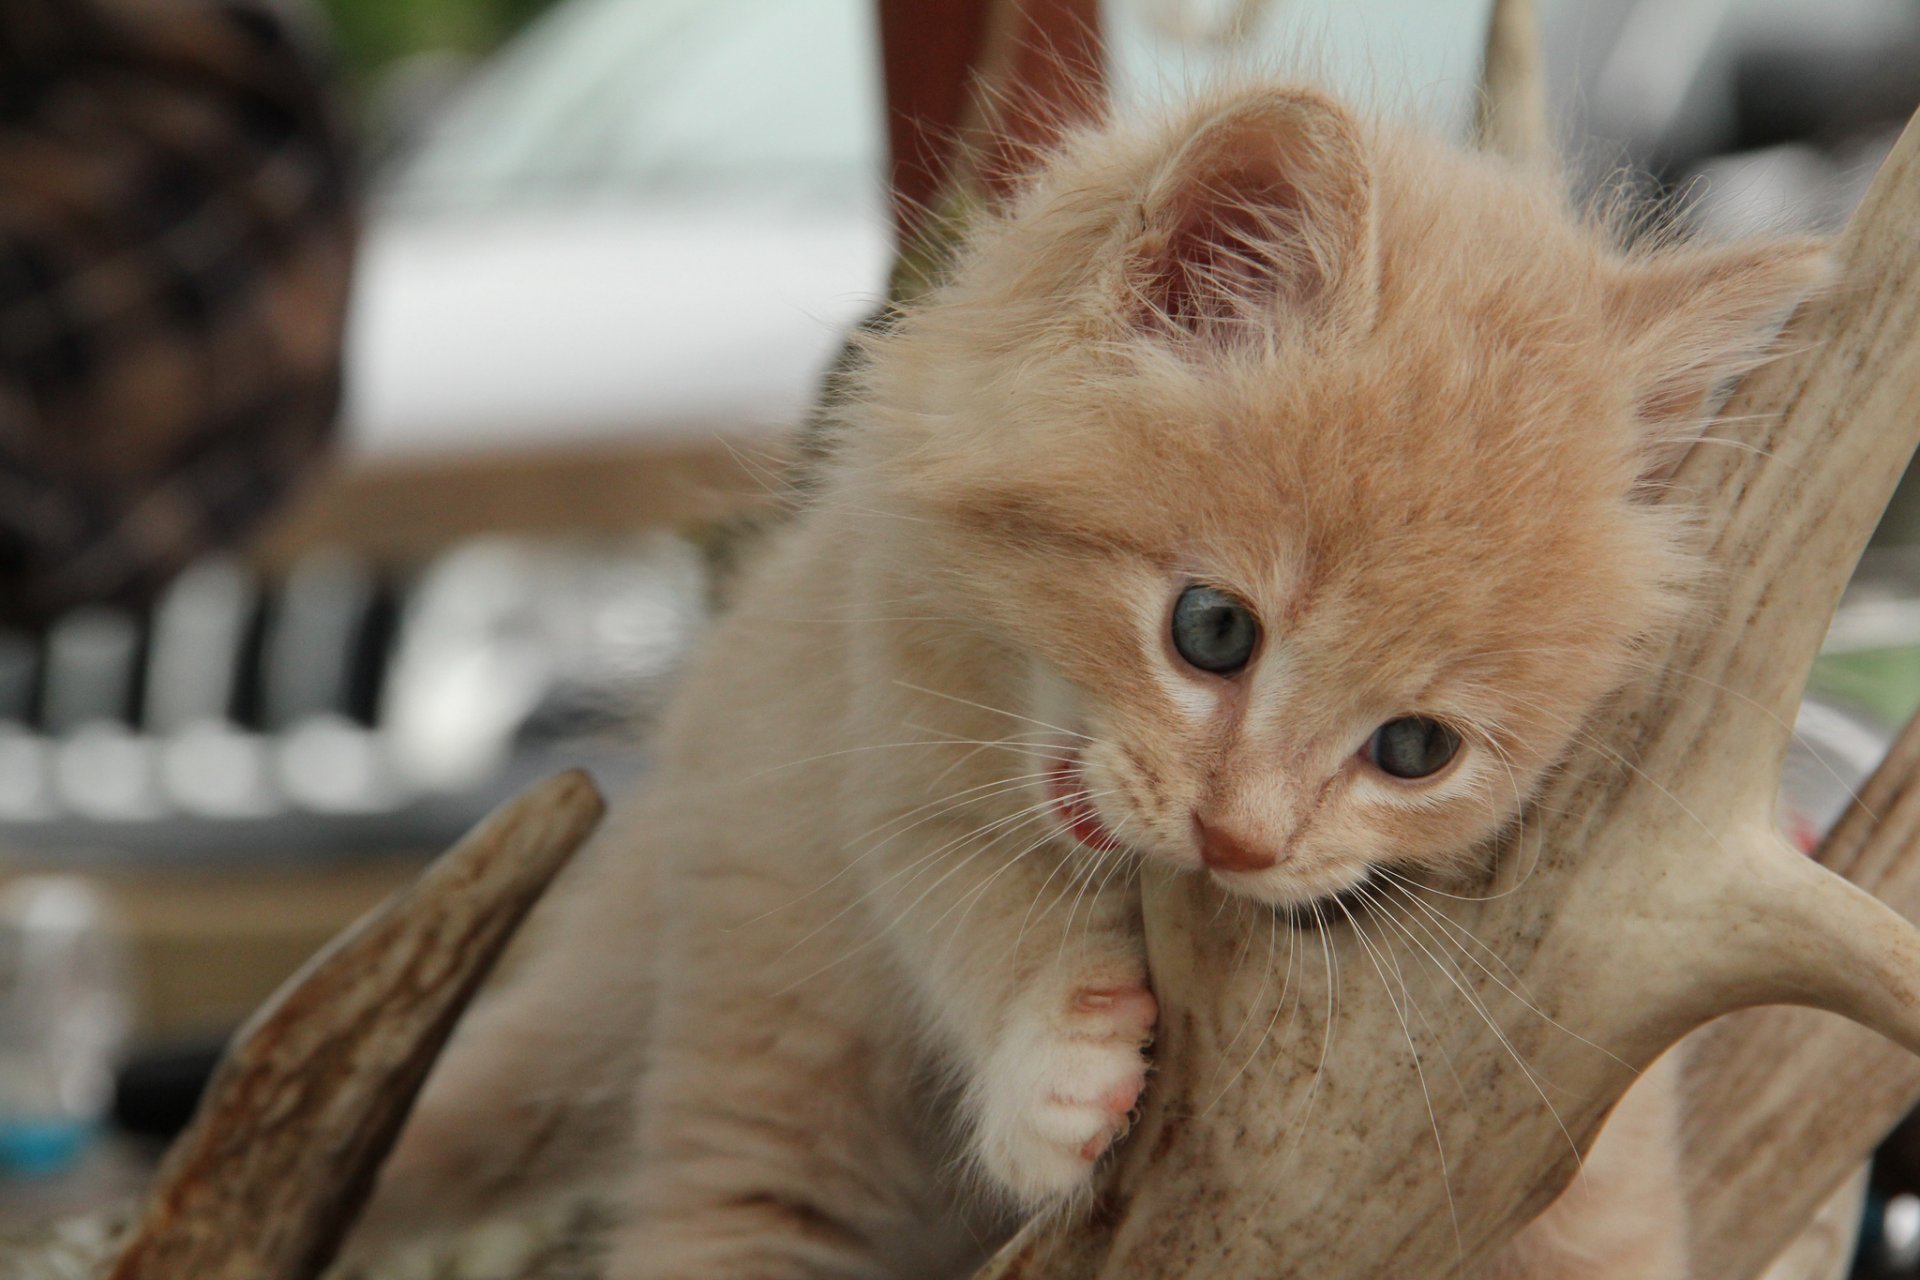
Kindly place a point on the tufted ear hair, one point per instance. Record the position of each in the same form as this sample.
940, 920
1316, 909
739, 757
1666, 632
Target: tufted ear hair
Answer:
1263, 216
1691, 319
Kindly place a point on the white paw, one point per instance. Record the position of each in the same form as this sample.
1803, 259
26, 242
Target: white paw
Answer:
1060, 1087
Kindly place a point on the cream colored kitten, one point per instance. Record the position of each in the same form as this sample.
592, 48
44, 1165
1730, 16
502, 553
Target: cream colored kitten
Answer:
1263, 499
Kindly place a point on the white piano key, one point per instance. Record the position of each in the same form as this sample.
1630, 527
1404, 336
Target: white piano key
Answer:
26, 774
216, 769
330, 764
197, 644
103, 769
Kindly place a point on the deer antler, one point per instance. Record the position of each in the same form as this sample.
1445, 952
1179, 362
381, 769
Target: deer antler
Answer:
1391, 1120
314, 1089
1510, 115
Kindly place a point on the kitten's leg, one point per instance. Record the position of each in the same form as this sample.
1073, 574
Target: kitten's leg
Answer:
1061, 1078
532, 1095
1624, 1219
791, 1113
786, 1130
531, 1099
1032, 964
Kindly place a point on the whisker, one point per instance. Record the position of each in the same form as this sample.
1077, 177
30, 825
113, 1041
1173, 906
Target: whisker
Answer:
1266, 1034
981, 706
770, 770
942, 807
916, 866
1440, 918
1006, 826
1582, 736
1474, 1003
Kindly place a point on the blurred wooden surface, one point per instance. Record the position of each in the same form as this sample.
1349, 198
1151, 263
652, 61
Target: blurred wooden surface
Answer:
403, 510
208, 945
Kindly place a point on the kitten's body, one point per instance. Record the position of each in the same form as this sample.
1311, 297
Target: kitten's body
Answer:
862, 962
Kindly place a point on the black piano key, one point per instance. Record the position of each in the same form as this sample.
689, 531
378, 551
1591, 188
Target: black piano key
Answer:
19, 675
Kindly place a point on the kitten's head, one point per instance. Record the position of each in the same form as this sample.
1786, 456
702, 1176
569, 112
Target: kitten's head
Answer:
1304, 468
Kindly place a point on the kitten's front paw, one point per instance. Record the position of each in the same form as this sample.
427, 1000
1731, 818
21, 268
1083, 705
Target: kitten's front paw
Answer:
1060, 1087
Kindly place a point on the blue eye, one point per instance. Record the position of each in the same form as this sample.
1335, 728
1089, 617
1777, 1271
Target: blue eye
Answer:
1213, 631
1412, 747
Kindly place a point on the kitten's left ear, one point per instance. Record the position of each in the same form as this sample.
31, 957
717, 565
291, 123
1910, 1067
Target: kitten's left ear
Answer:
1262, 215
1692, 319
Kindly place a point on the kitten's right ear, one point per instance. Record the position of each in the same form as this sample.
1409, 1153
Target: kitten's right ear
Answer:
1692, 319
1263, 216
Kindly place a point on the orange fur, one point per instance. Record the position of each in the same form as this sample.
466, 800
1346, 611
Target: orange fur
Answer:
1393, 397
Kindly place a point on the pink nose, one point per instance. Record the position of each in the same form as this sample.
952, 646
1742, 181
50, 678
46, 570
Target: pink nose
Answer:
1224, 851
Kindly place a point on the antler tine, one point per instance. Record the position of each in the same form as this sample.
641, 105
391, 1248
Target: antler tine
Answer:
1785, 930
283, 1151
1754, 1132
1510, 114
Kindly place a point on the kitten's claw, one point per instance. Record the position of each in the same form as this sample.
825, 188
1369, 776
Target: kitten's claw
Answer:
1061, 1087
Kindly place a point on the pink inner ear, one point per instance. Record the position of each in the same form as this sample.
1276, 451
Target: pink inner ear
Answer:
1228, 252
1264, 214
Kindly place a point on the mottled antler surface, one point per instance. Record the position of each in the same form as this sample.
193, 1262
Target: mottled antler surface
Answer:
1399, 1093
267, 1180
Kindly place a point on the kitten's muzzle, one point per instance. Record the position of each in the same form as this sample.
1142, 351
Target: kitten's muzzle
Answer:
1221, 849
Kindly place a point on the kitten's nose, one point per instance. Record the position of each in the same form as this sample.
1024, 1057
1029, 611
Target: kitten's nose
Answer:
1222, 850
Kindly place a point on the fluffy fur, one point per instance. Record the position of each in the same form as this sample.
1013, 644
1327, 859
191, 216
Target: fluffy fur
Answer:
858, 975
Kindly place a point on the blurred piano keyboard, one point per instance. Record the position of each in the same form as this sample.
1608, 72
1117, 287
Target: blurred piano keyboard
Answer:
337, 708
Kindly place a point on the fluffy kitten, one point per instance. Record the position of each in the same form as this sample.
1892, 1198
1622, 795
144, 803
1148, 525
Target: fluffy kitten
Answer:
1263, 498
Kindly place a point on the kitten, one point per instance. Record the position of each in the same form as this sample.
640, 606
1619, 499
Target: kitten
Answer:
1264, 497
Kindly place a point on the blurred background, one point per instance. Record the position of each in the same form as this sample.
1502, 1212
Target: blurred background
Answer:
603, 254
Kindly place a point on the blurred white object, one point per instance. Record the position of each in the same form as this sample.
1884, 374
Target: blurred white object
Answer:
1903, 1231
499, 630
472, 663
541, 326
643, 218
1421, 55
63, 1019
